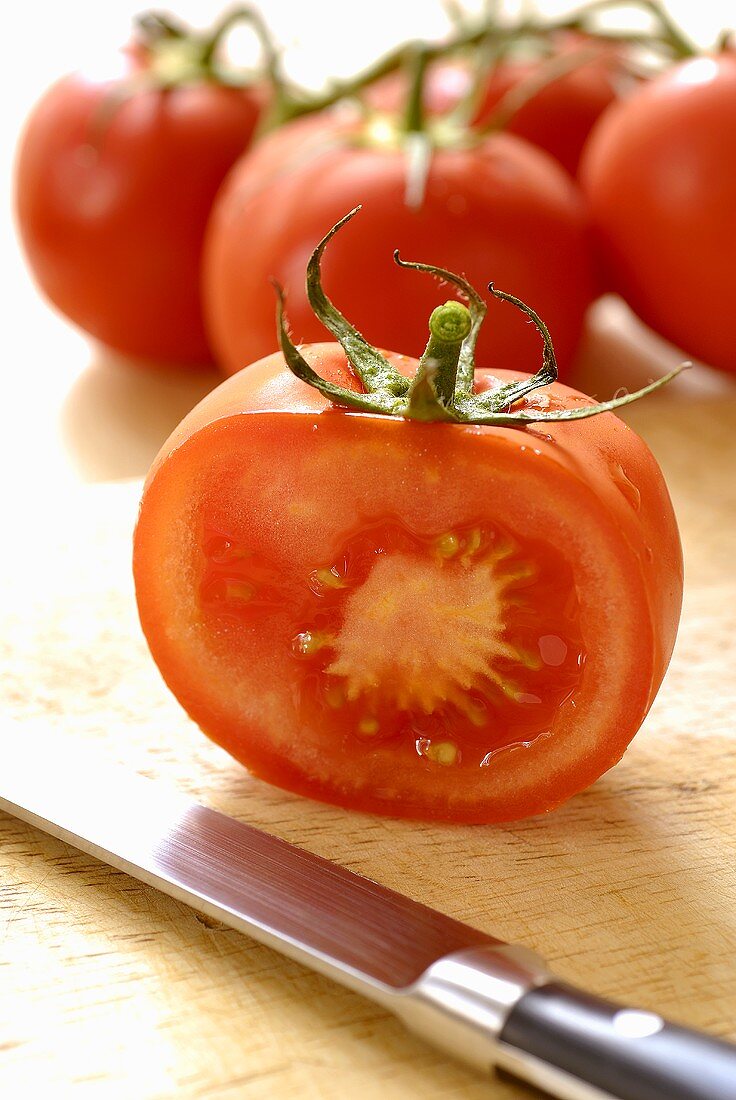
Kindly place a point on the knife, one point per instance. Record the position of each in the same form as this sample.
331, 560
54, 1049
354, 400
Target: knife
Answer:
485, 1002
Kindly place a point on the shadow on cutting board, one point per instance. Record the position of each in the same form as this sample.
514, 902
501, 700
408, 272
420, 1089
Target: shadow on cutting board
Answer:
118, 413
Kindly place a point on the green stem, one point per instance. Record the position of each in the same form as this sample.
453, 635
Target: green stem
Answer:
374, 403
506, 395
281, 95
488, 56
510, 419
465, 377
723, 42
398, 58
373, 369
680, 44
414, 116
213, 40
179, 55
435, 394
156, 25
432, 391
669, 35
290, 102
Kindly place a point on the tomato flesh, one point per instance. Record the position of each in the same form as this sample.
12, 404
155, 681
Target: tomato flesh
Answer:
449, 649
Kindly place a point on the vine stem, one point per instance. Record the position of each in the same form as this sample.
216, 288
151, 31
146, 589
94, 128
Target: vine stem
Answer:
550, 71
488, 57
671, 34
224, 25
289, 101
414, 117
488, 31
158, 24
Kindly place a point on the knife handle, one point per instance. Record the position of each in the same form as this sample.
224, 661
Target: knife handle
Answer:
500, 1006
597, 1049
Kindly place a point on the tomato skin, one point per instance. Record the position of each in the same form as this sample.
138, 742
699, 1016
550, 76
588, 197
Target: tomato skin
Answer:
562, 114
659, 173
113, 191
503, 212
266, 448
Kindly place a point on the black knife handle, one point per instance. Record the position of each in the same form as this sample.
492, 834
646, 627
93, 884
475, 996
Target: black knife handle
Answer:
616, 1052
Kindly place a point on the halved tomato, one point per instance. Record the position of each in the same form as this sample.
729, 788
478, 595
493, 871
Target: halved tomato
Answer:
425, 620
436, 618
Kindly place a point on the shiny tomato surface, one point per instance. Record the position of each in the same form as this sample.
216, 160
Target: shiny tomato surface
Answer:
660, 177
434, 620
503, 211
114, 185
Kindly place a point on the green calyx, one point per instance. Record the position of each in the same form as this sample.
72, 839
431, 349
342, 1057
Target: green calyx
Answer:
443, 387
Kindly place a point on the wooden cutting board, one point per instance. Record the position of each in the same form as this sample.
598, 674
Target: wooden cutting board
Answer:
109, 989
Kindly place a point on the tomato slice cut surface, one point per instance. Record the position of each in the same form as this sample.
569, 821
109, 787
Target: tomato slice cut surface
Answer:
437, 621
449, 648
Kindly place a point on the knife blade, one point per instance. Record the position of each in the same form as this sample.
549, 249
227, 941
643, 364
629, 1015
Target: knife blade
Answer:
483, 1001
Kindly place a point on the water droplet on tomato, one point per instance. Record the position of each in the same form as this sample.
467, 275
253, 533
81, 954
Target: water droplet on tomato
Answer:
541, 402
322, 581
447, 545
445, 753
490, 756
309, 642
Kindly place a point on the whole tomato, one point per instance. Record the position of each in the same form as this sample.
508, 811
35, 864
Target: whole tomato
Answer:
114, 184
659, 173
499, 210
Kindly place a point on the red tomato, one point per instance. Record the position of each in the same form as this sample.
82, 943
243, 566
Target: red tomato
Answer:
557, 118
660, 176
503, 211
427, 620
113, 191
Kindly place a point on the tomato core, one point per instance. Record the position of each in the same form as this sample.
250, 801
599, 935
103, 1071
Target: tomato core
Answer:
444, 650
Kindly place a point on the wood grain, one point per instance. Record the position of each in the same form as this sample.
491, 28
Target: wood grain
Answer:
109, 989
